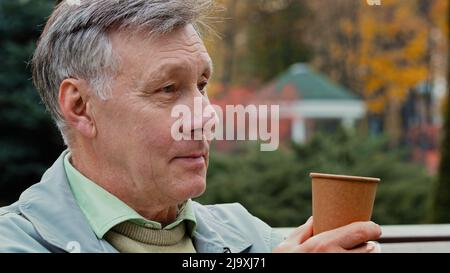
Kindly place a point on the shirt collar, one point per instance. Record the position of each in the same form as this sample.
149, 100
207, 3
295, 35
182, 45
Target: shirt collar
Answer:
103, 210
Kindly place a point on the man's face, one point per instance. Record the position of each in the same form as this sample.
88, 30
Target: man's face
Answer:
134, 125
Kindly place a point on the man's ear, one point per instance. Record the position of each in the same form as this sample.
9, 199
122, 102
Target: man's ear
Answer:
75, 106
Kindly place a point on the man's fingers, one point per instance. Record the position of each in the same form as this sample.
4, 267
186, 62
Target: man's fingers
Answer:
354, 234
369, 247
353, 238
302, 233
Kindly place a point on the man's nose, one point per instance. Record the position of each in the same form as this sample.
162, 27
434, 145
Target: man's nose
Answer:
203, 119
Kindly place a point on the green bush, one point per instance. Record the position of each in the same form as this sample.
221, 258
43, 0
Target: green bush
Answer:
276, 187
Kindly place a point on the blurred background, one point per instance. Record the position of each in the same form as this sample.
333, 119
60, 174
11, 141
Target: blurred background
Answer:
363, 90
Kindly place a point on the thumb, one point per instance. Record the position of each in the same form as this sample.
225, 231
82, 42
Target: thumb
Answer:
302, 233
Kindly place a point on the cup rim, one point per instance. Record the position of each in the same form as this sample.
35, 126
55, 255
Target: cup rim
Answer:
344, 177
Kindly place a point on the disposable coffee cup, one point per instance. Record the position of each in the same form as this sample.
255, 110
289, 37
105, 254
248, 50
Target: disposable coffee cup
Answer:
339, 200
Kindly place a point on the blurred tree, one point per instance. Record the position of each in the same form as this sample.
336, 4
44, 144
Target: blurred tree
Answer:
229, 44
393, 57
441, 203
329, 35
440, 212
381, 52
274, 37
259, 39
29, 141
438, 47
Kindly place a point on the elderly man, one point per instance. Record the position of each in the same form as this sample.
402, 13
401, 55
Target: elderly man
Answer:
110, 72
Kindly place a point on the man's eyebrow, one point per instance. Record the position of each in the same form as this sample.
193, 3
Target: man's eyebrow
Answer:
167, 68
161, 72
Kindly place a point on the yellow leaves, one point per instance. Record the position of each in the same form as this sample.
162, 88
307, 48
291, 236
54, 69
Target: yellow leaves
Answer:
367, 28
417, 46
336, 51
376, 105
393, 51
396, 79
396, 93
390, 30
411, 76
403, 12
439, 16
390, 3
347, 27
373, 84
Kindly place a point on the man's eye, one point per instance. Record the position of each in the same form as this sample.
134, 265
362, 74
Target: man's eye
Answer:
168, 88
202, 86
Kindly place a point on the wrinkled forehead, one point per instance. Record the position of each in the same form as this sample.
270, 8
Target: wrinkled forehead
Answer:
181, 48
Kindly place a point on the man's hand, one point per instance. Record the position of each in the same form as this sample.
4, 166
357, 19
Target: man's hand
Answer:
353, 238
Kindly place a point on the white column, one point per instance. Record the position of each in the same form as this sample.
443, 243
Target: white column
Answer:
348, 123
298, 130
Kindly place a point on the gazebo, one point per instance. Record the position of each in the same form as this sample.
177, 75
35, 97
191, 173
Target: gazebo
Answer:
309, 101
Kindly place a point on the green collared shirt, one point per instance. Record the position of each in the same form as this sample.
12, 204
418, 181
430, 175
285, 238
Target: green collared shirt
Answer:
104, 211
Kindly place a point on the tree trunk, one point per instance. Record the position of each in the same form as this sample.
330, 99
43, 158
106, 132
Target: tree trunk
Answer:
441, 199
393, 123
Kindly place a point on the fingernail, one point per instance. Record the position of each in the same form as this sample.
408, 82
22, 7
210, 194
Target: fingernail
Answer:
373, 247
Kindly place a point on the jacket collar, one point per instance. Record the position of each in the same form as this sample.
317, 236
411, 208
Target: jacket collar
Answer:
213, 235
51, 207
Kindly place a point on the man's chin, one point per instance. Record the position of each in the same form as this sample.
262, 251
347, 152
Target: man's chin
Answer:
199, 189
196, 186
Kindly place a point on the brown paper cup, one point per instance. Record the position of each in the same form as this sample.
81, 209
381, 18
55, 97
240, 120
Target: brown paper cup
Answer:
339, 200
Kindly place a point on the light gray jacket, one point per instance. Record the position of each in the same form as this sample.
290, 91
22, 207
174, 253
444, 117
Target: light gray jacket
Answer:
46, 218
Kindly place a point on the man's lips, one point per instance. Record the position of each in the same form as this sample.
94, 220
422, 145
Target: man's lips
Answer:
194, 160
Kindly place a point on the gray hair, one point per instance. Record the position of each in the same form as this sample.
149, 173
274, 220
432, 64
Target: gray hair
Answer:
75, 41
